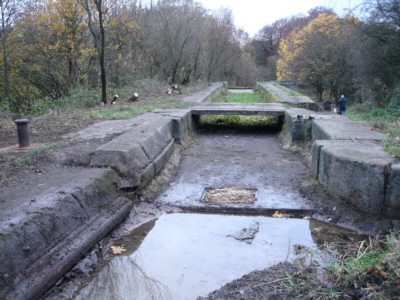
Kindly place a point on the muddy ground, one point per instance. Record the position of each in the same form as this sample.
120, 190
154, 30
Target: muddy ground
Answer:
293, 177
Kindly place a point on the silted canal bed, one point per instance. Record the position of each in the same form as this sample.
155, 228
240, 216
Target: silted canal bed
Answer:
189, 255
186, 255
244, 160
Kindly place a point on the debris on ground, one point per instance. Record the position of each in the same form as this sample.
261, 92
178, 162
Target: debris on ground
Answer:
117, 250
230, 195
278, 214
246, 235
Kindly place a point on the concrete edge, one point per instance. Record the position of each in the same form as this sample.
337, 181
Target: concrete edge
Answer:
346, 170
44, 273
298, 125
393, 191
305, 102
30, 243
221, 88
300, 131
263, 91
207, 94
316, 153
158, 163
247, 210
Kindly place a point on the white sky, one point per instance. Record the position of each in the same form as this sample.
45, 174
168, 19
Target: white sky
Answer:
252, 15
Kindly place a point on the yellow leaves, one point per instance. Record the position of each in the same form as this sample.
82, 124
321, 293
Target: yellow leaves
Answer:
304, 53
278, 214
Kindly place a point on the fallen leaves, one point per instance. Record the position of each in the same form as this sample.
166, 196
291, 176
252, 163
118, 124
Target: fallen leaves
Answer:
230, 195
378, 269
278, 214
117, 249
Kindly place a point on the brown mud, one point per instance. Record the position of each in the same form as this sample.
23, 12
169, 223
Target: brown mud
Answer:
293, 175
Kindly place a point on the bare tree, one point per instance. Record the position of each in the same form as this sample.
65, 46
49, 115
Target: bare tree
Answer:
96, 10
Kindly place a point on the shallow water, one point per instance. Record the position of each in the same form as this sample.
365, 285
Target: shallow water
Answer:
190, 255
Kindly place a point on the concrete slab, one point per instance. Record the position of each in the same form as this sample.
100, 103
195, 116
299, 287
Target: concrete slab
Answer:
104, 129
266, 109
205, 94
46, 216
281, 95
181, 122
353, 171
342, 128
393, 192
133, 152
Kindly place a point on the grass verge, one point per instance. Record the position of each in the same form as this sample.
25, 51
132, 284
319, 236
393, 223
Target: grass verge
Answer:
30, 157
372, 267
385, 119
243, 121
243, 98
292, 93
129, 111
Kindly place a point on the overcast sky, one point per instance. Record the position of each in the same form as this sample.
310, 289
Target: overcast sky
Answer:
252, 15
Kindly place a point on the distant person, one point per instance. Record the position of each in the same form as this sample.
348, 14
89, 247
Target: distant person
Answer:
342, 105
327, 105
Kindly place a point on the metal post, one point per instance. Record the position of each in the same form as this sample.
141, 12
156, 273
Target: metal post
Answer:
23, 133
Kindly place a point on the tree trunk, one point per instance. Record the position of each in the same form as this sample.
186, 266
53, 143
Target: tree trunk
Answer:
101, 56
5, 58
196, 62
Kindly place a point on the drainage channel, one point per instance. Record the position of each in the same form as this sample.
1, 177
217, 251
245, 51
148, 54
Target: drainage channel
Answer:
186, 255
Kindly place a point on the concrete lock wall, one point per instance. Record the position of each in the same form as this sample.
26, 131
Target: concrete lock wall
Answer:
264, 92
37, 247
299, 102
349, 160
63, 222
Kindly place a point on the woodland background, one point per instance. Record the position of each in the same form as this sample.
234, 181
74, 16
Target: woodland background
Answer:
52, 49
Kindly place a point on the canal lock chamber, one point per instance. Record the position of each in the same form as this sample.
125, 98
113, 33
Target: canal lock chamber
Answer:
212, 242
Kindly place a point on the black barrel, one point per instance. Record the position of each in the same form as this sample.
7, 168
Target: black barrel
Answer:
23, 133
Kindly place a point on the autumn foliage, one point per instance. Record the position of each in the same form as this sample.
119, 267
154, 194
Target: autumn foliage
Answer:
51, 47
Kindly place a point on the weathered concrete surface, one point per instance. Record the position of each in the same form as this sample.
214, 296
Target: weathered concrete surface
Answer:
181, 122
393, 192
277, 94
239, 160
246, 91
298, 124
133, 153
104, 129
353, 171
213, 91
51, 223
341, 128
265, 109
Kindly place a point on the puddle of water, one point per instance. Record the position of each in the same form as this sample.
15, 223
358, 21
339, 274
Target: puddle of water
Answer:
190, 255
